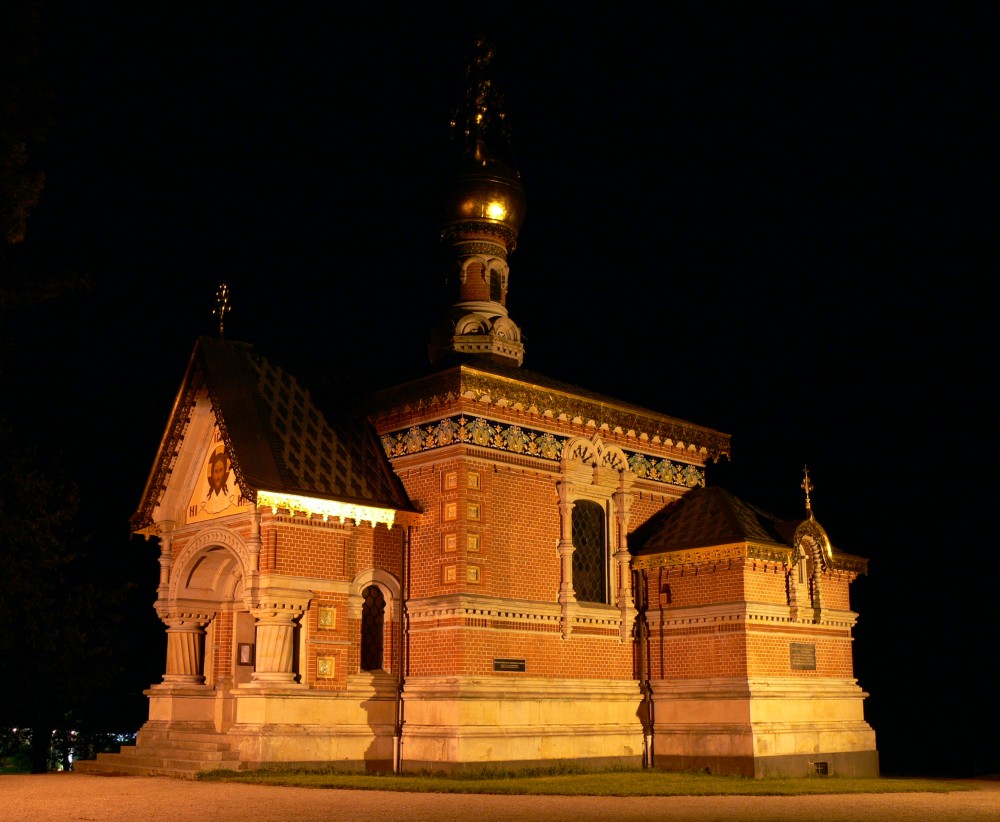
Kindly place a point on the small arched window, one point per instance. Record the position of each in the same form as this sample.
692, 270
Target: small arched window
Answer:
372, 628
590, 565
496, 287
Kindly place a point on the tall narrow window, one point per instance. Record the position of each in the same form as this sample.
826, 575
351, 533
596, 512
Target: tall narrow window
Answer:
590, 566
372, 623
496, 287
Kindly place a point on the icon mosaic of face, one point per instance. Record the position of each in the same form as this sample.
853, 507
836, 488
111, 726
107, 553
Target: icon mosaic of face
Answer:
218, 472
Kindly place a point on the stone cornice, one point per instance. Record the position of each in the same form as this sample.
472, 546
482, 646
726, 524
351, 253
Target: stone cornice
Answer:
765, 552
540, 397
545, 615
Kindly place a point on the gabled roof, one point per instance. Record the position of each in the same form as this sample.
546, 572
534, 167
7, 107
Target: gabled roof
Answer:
711, 516
276, 436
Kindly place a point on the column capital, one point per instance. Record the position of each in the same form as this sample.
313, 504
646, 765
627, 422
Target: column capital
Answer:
186, 620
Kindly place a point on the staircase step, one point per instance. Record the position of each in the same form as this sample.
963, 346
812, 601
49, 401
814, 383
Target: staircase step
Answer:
177, 754
181, 753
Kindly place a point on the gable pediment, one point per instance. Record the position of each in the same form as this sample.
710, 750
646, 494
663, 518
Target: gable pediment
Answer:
199, 481
242, 425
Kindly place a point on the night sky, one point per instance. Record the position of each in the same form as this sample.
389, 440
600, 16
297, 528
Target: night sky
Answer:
768, 224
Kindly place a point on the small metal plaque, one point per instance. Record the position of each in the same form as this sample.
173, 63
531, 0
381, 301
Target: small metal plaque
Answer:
803, 656
327, 617
509, 665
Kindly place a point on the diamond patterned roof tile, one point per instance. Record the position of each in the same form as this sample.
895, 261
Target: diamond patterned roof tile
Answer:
282, 442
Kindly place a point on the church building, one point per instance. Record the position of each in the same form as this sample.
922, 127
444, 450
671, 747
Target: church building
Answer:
484, 567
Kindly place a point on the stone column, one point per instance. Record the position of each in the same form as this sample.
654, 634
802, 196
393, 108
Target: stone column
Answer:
185, 648
623, 503
166, 562
567, 595
275, 643
254, 542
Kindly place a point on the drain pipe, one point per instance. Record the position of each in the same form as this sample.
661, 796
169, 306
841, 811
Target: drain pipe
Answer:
397, 734
641, 635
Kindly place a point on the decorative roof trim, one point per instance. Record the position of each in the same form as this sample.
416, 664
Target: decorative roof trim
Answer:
766, 552
716, 553
833, 560
326, 508
170, 445
489, 433
539, 396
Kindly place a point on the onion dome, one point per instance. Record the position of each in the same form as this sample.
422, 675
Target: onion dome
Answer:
486, 191
483, 210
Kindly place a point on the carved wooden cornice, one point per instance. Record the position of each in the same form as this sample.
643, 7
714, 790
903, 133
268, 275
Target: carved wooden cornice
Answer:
544, 398
764, 552
714, 554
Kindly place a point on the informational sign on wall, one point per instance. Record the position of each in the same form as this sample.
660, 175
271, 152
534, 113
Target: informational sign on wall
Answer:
803, 656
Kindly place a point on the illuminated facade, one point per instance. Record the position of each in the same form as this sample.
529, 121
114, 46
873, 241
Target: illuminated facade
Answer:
491, 568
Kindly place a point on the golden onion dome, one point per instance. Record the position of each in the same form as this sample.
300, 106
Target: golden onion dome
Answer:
485, 189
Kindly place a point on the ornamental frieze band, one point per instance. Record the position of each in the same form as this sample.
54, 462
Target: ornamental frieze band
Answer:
551, 398
517, 440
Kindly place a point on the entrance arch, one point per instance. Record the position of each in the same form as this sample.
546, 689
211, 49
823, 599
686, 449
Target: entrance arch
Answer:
206, 616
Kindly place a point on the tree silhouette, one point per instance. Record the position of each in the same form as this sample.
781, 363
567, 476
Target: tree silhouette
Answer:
58, 618
55, 629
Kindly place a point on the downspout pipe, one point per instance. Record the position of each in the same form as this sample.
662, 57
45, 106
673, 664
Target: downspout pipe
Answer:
397, 734
640, 591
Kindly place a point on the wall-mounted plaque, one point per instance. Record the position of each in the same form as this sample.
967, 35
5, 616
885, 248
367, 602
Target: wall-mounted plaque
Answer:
509, 665
327, 617
326, 667
244, 653
803, 656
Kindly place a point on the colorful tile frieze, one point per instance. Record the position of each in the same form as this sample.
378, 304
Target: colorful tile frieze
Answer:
517, 440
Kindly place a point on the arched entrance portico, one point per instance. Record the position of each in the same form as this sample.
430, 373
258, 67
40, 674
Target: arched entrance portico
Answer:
211, 629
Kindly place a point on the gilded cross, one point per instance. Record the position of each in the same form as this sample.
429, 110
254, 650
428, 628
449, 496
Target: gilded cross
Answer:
807, 486
221, 306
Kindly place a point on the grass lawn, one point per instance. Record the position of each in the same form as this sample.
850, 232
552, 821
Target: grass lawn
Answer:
605, 783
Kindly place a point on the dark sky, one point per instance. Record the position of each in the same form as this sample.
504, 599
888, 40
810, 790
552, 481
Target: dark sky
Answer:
766, 223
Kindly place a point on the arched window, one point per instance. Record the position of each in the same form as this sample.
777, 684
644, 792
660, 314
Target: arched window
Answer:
496, 287
372, 624
590, 565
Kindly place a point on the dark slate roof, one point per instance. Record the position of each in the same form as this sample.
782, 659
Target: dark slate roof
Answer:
709, 516
277, 437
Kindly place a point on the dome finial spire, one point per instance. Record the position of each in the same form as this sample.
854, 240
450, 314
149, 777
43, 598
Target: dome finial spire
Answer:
807, 486
482, 107
221, 307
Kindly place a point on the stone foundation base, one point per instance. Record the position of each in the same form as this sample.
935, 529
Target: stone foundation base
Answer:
855, 763
778, 726
472, 723
579, 763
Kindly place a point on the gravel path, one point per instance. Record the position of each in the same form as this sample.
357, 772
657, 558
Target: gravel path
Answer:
89, 798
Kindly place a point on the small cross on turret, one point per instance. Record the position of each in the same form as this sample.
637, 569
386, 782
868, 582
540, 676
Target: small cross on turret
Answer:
221, 306
807, 486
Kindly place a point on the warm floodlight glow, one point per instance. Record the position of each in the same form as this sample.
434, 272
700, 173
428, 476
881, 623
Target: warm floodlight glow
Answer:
496, 211
327, 508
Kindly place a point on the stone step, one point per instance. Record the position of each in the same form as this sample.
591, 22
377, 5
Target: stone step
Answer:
181, 745
158, 760
192, 737
207, 758
92, 766
178, 754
